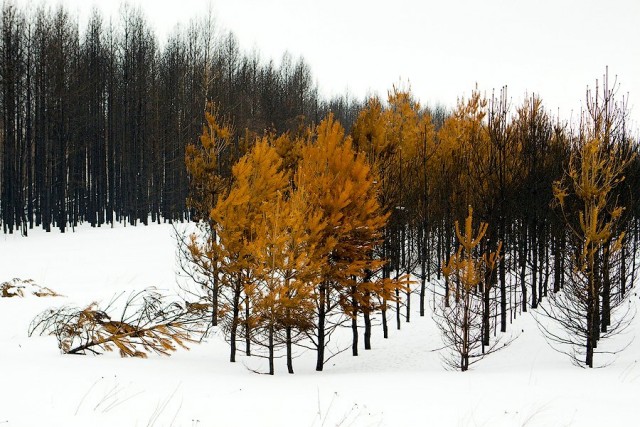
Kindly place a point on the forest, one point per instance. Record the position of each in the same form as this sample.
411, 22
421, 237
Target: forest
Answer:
94, 125
316, 213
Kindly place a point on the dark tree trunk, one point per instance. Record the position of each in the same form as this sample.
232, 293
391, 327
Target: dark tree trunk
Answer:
422, 258
563, 248
398, 322
597, 280
385, 326
606, 292
502, 268
271, 368
634, 254
235, 320
321, 325
542, 263
589, 353
593, 318
447, 291
354, 322
366, 313
545, 261
486, 310
247, 328
214, 300
557, 268
385, 275
523, 267
464, 365
289, 350
623, 270
354, 330
423, 287
405, 262
534, 268
440, 252
367, 330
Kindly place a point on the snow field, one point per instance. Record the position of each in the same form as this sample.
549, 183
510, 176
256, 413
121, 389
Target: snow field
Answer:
401, 382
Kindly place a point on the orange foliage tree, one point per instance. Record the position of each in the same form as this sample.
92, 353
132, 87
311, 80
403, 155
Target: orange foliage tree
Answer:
342, 187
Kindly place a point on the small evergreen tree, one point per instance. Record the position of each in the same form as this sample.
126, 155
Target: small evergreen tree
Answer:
468, 274
395, 140
203, 163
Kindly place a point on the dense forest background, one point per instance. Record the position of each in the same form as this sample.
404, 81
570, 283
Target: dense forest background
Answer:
94, 125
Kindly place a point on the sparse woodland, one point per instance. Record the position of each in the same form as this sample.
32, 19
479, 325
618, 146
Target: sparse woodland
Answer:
312, 214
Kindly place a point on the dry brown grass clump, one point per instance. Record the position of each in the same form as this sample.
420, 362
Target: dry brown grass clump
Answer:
20, 288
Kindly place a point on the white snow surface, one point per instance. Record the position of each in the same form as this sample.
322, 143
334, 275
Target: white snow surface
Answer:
400, 382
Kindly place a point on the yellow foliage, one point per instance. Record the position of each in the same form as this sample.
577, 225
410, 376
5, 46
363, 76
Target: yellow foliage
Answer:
343, 189
594, 171
203, 163
463, 152
465, 265
396, 140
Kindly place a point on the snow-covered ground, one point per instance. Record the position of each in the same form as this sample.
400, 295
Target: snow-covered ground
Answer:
401, 382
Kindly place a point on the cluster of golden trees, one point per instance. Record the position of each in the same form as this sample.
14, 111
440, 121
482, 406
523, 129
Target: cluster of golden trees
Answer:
312, 229
290, 237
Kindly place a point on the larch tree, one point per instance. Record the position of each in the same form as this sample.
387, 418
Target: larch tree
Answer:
342, 187
393, 139
532, 133
258, 178
369, 135
461, 318
203, 162
428, 147
591, 217
206, 183
287, 273
503, 168
463, 146
588, 198
404, 133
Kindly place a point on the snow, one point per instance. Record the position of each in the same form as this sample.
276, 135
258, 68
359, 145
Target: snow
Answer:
401, 382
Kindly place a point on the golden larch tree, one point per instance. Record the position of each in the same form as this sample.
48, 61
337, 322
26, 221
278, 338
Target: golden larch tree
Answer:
258, 179
287, 273
342, 187
206, 183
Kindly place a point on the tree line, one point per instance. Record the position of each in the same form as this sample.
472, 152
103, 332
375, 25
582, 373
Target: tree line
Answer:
555, 205
94, 124
558, 198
